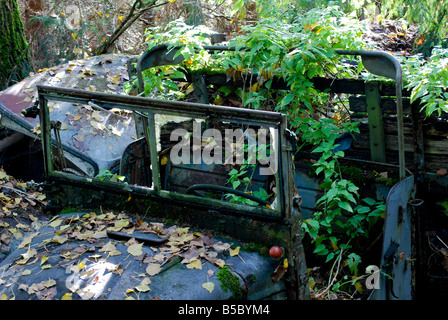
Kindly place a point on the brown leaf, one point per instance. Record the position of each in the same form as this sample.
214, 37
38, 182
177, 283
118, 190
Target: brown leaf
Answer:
279, 271
153, 268
47, 294
5, 238
191, 253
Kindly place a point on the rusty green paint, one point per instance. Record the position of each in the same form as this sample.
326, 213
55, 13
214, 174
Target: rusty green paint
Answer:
375, 118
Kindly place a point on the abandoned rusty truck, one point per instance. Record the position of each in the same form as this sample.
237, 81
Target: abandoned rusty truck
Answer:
139, 191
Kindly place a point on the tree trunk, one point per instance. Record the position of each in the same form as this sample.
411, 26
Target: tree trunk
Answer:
14, 56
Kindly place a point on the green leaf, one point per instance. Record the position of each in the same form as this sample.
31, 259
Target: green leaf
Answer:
353, 261
237, 6
287, 99
346, 206
369, 201
321, 249
314, 224
362, 209
330, 256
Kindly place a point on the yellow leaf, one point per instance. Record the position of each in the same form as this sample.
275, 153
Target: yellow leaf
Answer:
308, 27
358, 287
43, 260
26, 272
60, 239
194, 264
97, 116
255, 87
172, 1
120, 18
189, 89
234, 252
121, 223
311, 283
115, 252
67, 296
136, 249
64, 126
74, 36
108, 247
142, 288
3, 175
27, 240
209, 286
181, 231
46, 266
220, 263
285, 263
27, 255
56, 223
49, 283
164, 161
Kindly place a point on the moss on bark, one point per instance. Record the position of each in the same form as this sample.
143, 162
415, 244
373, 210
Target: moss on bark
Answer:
14, 56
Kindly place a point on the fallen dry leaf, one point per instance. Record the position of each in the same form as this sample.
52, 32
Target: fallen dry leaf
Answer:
234, 252
67, 296
195, 264
27, 240
280, 271
209, 286
135, 249
153, 268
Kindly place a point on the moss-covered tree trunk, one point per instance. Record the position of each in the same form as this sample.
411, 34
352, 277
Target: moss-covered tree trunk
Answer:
14, 55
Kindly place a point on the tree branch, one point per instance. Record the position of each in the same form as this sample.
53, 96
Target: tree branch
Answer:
127, 22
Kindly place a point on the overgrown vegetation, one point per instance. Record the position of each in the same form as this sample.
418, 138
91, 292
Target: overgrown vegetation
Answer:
295, 49
294, 41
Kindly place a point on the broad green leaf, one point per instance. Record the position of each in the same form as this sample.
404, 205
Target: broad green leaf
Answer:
346, 206
369, 201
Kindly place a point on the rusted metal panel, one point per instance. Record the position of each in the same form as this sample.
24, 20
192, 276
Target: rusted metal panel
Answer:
395, 279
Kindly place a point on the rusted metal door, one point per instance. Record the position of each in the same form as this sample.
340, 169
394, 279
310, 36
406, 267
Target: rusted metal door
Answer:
396, 274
